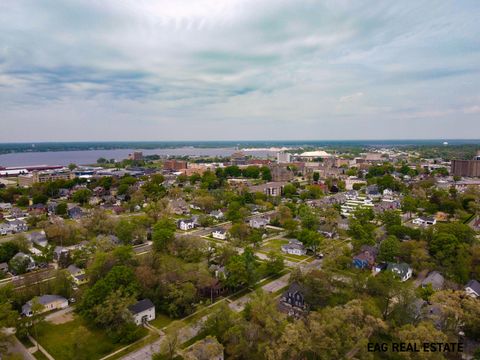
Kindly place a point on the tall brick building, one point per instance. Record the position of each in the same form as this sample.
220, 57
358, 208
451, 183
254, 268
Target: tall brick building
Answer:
467, 168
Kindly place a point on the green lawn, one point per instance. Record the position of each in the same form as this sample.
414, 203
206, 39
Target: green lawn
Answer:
276, 246
161, 321
59, 340
39, 355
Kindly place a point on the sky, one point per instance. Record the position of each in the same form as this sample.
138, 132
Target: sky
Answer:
90, 70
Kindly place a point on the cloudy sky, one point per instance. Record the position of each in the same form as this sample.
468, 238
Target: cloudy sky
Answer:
228, 69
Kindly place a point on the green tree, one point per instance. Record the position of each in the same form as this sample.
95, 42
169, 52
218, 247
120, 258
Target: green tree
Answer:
81, 196
275, 263
163, 233
62, 209
389, 249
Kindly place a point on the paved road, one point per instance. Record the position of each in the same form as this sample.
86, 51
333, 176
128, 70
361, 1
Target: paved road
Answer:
238, 305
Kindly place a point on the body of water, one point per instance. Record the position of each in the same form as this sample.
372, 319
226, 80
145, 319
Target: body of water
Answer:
84, 153
86, 157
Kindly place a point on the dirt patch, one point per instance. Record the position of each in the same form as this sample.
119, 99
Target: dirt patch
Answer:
61, 318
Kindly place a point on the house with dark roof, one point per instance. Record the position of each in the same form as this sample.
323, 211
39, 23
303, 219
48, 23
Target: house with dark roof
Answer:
293, 302
186, 224
38, 238
143, 311
473, 288
220, 234
75, 212
77, 275
402, 270
424, 221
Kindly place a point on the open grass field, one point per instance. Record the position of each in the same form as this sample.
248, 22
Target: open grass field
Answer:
62, 340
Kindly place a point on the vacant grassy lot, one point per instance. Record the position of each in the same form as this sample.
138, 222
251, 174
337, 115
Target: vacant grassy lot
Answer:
63, 340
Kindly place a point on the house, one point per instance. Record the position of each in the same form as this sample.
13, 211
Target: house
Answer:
52, 207
37, 209
473, 288
424, 221
60, 252
435, 279
5, 229
143, 311
18, 225
269, 189
5, 206
220, 234
75, 212
366, 258
258, 223
372, 191
186, 224
402, 270
294, 247
49, 302
25, 259
16, 213
77, 275
217, 214
38, 238
292, 301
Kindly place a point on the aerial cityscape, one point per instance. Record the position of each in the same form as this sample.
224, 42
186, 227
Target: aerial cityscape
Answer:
252, 180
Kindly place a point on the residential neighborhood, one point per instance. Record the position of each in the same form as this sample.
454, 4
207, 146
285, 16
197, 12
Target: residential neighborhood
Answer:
142, 250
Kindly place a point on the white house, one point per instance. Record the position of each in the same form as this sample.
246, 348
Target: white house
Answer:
473, 288
5, 229
424, 221
294, 247
217, 214
18, 225
403, 270
143, 311
258, 223
186, 224
5, 206
49, 302
220, 234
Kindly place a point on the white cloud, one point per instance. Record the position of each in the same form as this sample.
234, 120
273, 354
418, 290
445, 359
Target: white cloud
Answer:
205, 68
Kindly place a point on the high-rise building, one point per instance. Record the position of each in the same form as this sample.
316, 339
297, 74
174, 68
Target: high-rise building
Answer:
174, 165
136, 156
